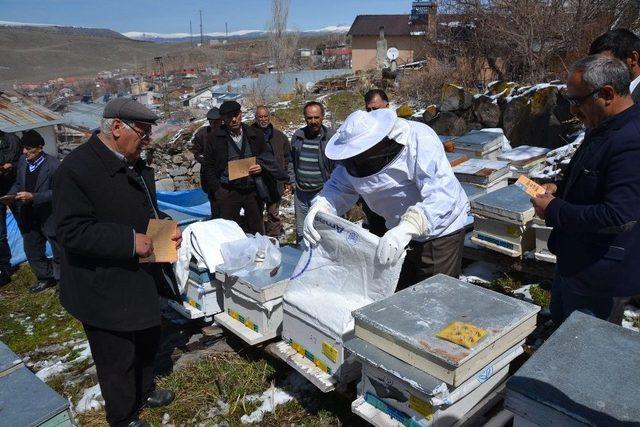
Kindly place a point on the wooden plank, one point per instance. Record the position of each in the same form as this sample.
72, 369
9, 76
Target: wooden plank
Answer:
240, 330
304, 366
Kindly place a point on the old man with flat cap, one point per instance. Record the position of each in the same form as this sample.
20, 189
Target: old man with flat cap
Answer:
103, 198
229, 195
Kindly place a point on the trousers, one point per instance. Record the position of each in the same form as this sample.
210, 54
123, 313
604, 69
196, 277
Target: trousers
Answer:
227, 205
5, 251
302, 202
124, 363
35, 240
426, 259
273, 222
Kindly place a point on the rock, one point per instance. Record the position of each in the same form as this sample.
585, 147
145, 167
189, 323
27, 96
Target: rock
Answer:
455, 98
514, 119
501, 88
196, 168
448, 123
177, 159
180, 170
165, 184
430, 113
188, 156
487, 111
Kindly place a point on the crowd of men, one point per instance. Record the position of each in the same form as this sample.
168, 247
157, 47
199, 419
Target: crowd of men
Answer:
94, 207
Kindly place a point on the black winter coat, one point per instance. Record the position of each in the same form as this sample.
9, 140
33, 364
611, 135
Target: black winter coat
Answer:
216, 158
98, 205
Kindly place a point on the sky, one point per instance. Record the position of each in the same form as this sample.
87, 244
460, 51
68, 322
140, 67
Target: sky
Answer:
172, 16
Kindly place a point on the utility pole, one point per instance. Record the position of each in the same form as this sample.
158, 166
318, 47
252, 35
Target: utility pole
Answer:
190, 34
201, 35
226, 30
165, 95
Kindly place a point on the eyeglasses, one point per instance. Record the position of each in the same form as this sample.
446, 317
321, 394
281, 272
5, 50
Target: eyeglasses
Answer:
576, 101
141, 134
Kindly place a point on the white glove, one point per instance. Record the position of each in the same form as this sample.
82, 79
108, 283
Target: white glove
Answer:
391, 246
320, 204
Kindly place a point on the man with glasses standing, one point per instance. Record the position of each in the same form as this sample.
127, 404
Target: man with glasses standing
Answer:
595, 208
103, 198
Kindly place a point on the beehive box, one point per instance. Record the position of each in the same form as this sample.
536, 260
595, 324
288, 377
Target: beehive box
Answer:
409, 323
253, 300
509, 204
542, 232
504, 237
202, 296
480, 171
585, 374
480, 144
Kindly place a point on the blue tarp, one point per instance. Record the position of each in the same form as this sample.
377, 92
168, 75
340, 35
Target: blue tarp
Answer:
183, 206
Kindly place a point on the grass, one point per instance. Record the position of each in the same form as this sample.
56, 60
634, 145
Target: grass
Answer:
29, 321
343, 103
229, 378
540, 296
284, 117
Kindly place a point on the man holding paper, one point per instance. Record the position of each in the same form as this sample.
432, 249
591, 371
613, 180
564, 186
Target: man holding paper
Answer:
103, 201
239, 172
595, 208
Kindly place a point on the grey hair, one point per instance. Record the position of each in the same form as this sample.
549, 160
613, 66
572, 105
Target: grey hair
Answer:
105, 126
599, 70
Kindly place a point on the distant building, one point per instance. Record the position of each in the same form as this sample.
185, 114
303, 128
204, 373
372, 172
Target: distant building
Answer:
18, 114
372, 35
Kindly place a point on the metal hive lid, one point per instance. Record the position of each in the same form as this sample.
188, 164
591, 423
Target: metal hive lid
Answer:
415, 315
587, 370
480, 140
507, 199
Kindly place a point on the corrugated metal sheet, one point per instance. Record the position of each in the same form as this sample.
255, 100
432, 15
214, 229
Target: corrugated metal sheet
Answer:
19, 114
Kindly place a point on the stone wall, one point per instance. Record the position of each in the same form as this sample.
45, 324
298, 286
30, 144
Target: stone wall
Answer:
529, 115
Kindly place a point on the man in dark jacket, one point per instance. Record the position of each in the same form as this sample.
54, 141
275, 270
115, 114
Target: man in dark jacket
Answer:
32, 208
235, 141
310, 168
595, 208
9, 154
278, 145
625, 46
103, 199
201, 139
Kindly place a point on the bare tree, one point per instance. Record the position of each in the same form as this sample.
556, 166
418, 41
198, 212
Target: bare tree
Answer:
282, 44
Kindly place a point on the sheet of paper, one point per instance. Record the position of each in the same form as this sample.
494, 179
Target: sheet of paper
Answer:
164, 249
8, 199
530, 187
240, 168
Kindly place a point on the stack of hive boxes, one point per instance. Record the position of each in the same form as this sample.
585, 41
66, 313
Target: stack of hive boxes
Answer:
433, 353
480, 144
202, 296
502, 221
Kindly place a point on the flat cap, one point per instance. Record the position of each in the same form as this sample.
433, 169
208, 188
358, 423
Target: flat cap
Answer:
128, 109
31, 138
228, 107
213, 114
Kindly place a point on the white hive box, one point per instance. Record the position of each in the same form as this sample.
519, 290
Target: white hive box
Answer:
202, 296
480, 144
396, 393
406, 325
331, 280
253, 300
524, 158
481, 171
543, 232
503, 221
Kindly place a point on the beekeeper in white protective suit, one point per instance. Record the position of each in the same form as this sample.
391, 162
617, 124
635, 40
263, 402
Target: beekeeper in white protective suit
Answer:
400, 169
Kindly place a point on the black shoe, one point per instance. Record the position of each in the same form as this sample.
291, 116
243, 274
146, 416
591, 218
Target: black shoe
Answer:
138, 423
42, 285
5, 277
160, 397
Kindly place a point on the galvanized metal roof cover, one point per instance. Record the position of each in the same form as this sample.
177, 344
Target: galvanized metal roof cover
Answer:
479, 140
589, 369
415, 315
507, 199
472, 191
8, 359
27, 401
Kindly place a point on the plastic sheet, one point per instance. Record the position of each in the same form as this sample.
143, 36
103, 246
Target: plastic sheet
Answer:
339, 275
253, 253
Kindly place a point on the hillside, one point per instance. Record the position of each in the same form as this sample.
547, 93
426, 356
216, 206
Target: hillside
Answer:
40, 53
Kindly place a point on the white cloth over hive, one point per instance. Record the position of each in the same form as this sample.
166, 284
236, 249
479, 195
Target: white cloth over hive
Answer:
339, 275
202, 240
419, 176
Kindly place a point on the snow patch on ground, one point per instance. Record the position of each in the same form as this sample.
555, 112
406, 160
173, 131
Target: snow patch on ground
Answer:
91, 399
294, 386
480, 272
